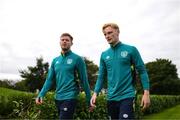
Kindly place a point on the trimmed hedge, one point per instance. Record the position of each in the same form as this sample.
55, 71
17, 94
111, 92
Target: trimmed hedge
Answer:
21, 105
11, 99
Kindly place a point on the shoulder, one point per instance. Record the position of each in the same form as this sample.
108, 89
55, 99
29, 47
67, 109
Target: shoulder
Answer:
77, 57
55, 59
129, 47
106, 51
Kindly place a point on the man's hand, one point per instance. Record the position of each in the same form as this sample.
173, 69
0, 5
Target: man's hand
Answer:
145, 102
93, 100
39, 101
91, 108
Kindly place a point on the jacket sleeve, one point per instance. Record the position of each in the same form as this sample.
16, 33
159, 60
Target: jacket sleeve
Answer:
101, 75
140, 67
49, 81
82, 74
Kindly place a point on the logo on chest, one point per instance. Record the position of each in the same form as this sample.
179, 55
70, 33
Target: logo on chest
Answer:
124, 54
69, 61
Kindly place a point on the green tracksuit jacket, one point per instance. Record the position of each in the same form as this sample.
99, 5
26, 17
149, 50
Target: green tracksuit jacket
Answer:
63, 72
115, 63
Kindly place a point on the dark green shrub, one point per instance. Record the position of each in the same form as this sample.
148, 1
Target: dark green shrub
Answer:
8, 99
21, 105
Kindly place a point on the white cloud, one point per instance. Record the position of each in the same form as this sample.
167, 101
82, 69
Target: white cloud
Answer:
29, 29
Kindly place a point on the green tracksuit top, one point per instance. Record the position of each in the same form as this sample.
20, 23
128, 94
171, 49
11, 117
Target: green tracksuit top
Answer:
63, 72
115, 63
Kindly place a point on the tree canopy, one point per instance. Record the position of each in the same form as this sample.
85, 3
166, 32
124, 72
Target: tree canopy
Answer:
163, 77
34, 76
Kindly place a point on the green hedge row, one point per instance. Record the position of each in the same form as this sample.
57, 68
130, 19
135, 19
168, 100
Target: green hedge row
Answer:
10, 101
21, 105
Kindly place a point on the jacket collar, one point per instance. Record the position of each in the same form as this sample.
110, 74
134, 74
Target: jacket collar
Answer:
116, 45
66, 54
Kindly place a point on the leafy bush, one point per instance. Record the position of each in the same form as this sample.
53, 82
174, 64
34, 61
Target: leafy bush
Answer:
8, 104
161, 102
21, 105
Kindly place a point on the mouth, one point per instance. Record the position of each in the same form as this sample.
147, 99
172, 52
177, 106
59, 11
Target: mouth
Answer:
64, 44
109, 40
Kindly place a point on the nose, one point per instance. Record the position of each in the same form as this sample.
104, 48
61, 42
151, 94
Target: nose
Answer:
107, 36
64, 41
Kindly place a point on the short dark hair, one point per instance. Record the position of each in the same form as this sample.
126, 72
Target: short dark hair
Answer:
67, 34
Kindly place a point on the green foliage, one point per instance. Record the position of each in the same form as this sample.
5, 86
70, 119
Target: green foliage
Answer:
82, 110
47, 110
7, 96
162, 70
163, 76
34, 77
171, 87
158, 104
21, 105
7, 84
21, 85
92, 70
169, 114
161, 102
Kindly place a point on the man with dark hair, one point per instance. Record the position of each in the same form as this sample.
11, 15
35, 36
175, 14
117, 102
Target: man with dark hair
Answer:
63, 72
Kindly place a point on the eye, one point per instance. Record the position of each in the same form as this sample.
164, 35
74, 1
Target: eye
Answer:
67, 40
109, 33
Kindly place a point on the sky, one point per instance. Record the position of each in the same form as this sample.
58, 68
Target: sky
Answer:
31, 28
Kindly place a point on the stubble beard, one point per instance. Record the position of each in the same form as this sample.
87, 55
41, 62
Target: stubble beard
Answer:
65, 49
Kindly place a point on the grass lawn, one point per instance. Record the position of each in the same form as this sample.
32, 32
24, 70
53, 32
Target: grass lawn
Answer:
171, 113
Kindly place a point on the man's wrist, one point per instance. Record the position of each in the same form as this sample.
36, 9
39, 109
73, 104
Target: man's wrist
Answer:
95, 94
146, 92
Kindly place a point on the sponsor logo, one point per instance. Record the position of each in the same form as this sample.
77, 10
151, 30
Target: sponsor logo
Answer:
107, 57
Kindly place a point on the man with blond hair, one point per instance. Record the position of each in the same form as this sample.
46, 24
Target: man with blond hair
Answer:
115, 63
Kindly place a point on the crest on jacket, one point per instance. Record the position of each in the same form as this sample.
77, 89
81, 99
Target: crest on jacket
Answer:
69, 61
124, 54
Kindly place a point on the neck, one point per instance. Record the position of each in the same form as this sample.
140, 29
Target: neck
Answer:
115, 43
65, 51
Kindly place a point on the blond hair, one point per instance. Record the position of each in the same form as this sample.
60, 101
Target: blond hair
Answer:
113, 25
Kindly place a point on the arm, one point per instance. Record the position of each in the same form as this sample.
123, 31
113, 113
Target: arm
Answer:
145, 102
99, 82
140, 67
82, 73
101, 75
47, 85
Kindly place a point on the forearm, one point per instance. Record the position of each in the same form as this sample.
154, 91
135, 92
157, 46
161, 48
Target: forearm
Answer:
88, 92
146, 92
45, 88
144, 80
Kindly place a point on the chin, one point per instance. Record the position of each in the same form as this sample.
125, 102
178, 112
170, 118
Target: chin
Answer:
64, 49
110, 43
